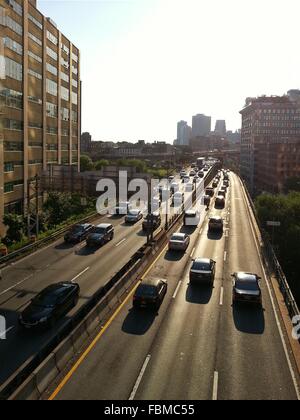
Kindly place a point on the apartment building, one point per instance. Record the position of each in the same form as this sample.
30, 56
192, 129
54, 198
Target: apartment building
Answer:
40, 100
270, 143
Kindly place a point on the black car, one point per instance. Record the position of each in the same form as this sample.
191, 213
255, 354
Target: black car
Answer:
100, 235
210, 191
156, 221
203, 271
206, 200
246, 288
215, 223
150, 293
51, 304
78, 233
220, 201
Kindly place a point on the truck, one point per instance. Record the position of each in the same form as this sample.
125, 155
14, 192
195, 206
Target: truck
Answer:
200, 162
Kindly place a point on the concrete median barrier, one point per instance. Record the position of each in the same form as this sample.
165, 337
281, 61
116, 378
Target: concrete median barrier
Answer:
27, 391
46, 373
79, 336
64, 353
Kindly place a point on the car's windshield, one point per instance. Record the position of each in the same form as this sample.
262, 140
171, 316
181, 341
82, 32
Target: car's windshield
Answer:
134, 212
77, 229
100, 230
48, 299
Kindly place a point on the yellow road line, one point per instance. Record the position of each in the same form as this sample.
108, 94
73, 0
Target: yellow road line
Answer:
95, 341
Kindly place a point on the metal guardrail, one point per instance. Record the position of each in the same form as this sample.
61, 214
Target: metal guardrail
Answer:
273, 263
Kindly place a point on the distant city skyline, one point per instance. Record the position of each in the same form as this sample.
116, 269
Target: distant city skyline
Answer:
136, 86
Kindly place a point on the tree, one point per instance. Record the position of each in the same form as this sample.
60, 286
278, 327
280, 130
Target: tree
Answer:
292, 184
16, 227
58, 208
101, 164
86, 163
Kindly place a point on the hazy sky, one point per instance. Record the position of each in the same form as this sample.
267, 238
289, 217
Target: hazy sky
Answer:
146, 64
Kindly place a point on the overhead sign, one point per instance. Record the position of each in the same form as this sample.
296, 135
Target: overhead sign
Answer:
274, 224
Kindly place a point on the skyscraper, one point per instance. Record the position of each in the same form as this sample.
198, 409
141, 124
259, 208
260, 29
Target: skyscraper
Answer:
220, 127
40, 100
184, 133
201, 125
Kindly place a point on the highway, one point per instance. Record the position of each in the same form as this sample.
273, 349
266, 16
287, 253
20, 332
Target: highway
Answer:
58, 262
197, 347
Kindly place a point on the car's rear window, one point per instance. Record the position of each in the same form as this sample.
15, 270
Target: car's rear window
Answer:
201, 266
100, 230
146, 290
177, 238
246, 285
77, 229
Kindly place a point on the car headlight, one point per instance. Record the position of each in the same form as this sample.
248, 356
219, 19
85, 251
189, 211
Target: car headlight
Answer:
43, 320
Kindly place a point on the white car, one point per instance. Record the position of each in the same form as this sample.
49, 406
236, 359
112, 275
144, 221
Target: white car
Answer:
179, 242
178, 199
156, 203
133, 216
189, 187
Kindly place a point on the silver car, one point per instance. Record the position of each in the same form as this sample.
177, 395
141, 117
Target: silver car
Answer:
179, 242
134, 216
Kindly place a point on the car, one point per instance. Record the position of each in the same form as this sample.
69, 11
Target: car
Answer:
186, 179
215, 183
220, 201
50, 305
134, 216
78, 233
206, 200
201, 174
189, 187
179, 242
191, 218
148, 223
178, 199
122, 208
174, 187
203, 271
209, 191
222, 193
226, 177
196, 179
215, 223
150, 293
183, 173
192, 173
246, 288
100, 235
171, 178
226, 183
206, 168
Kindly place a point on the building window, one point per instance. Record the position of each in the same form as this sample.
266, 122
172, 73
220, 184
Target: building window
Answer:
35, 39
74, 117
35, 74
16, 7
51, 110
51, 53
13, 45
14, 26
8, 167
52, 130
13, 69
52, 147
64, 114
35, 100
74, 83
52, 38
8, 187
51, 87
64, 131
64, 77
13, 146
35, 21
35, 125
64, 92
65, 49
64, 63
12, 124
74, 58
51, 69
12, 98
74, 98
35, 57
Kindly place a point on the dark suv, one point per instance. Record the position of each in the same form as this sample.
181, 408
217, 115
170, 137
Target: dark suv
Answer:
100, 235
78, 233
156, 221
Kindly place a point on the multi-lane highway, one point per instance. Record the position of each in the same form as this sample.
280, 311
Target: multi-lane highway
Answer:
58, 262
197, 346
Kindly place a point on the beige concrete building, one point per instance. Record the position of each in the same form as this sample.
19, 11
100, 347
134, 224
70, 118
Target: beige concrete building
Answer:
40, 100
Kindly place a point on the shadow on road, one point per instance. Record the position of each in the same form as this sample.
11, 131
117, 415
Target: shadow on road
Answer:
174, 255
188, 230
138, 321
65, 246
199, 294
249, 319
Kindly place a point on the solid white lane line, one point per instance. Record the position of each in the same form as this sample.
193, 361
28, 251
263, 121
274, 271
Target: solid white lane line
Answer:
222, 296
3, 335
215, 387
121, 242
140, 377
80, 274
193, 251
17, 284
201, 230
177, 289
225, 255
